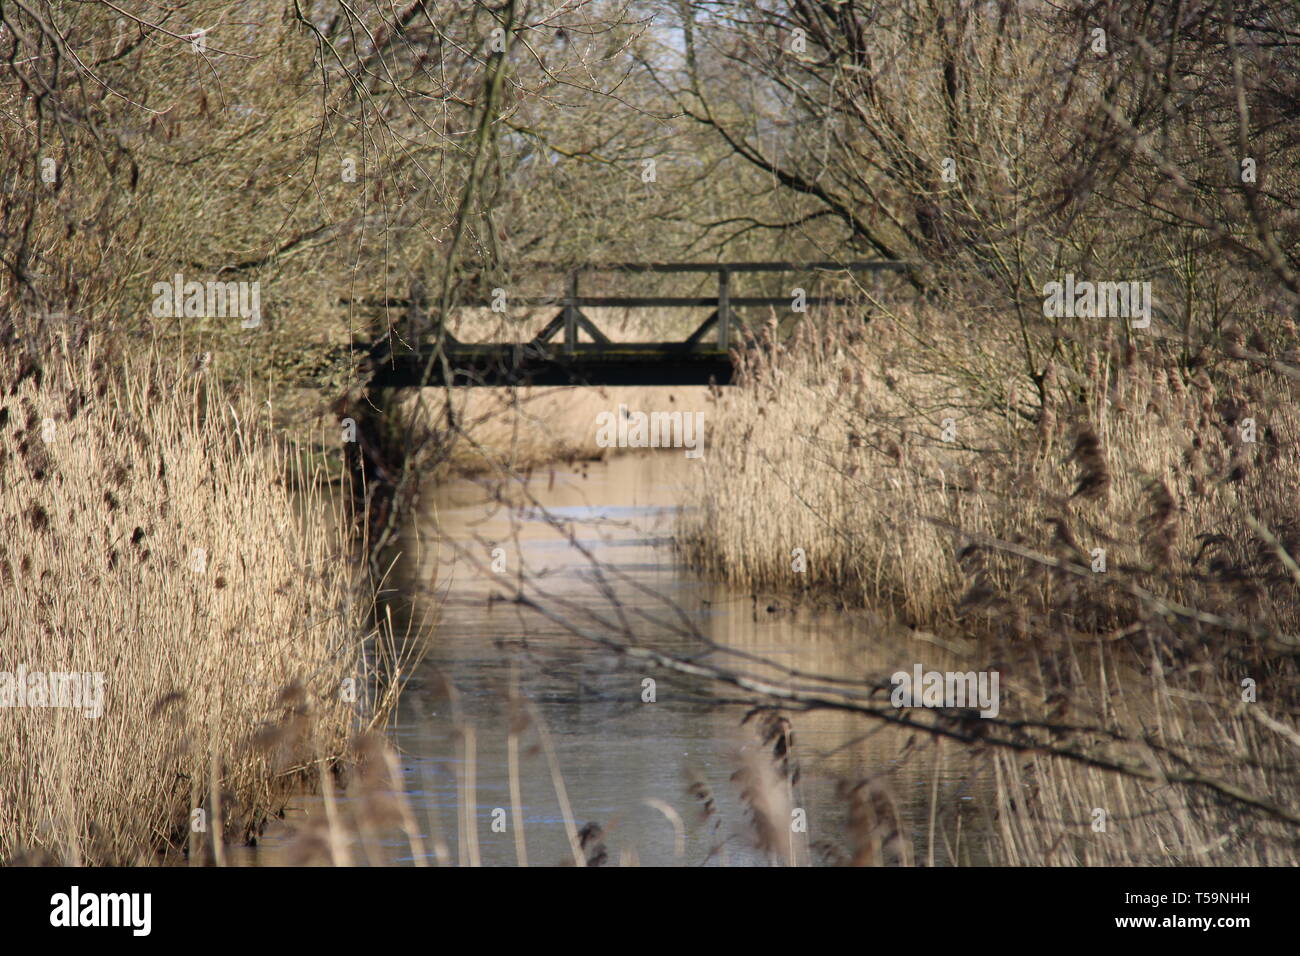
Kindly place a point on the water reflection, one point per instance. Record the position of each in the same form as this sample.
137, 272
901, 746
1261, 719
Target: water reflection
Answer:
595, 541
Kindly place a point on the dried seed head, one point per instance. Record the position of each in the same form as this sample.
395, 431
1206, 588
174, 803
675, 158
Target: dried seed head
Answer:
1094, 475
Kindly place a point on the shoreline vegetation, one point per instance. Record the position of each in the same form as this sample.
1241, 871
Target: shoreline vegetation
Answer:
833, 442
160, 538
1126, 551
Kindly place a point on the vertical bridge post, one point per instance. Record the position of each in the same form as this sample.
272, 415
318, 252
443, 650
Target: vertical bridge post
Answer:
571, 312
724, 308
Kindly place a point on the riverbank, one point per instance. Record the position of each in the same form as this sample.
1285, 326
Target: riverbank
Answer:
182, 605
1117, 538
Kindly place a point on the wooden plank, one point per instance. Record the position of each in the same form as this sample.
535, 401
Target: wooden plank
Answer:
553, 349
684, 302
551, 328
869, 265
494, 366
669, 267
699, 333
589, 327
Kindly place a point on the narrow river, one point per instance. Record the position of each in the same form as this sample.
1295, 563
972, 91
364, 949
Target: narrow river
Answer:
595, 542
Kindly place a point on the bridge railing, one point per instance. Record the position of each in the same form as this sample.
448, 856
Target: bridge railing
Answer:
724, 303
604, 361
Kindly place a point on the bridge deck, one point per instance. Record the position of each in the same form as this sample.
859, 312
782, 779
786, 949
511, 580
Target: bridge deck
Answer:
641, 363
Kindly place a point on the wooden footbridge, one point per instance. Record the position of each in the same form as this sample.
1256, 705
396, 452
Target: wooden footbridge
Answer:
703, 357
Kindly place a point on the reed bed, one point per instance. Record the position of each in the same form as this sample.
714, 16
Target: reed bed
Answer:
157, 536
837, 445
1118, 537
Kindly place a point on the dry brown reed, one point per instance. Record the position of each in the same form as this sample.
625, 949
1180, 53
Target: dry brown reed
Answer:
155, 535
1101, 544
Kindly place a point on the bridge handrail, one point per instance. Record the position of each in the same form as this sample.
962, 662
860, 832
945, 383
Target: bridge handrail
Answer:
572, 301
826, 266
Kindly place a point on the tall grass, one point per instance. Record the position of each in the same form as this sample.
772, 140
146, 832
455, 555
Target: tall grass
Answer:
160, 539
840, 445
1121, 542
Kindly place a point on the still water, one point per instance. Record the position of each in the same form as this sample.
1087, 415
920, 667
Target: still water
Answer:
616, 741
